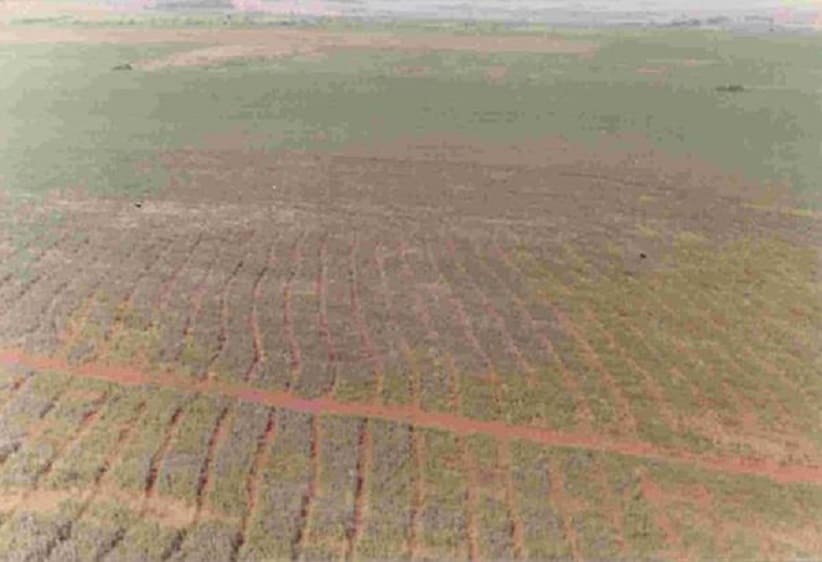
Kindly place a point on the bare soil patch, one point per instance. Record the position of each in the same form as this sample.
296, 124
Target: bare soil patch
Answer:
224, 45
496, 73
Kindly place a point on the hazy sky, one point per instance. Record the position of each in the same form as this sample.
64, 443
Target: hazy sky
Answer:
667, 6
579, 11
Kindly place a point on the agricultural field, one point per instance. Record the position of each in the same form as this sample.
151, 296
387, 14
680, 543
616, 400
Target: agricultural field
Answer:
412, 292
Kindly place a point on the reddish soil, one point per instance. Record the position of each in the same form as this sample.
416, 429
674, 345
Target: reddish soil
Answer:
656, 498
447, 422
405, 286
227, 44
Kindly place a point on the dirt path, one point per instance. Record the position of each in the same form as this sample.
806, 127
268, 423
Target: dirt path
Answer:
216, 46
735, 465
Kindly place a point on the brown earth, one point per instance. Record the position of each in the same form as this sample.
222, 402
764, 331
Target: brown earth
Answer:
436, 346
226, 44
124, 376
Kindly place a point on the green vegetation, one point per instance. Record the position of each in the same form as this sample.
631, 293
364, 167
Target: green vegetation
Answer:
134, 339
283, 491
396, 389
642, 535
690, 327
360, 387
234, 458
477, 397
28, 535
616, 505
144, 540
208, 540
95, 532
133, 469
444, 527
180, 473
543, 535
435, 374
44, 431
389, 490
97, 128
84, 463
592, 519
331, 519
493, 515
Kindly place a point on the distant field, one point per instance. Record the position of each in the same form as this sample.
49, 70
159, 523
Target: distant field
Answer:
96, 127
374, 294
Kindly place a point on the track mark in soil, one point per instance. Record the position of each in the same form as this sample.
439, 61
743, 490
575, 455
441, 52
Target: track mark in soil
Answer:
160, 452
564, 507
414, 383
88, 420
743, 408
122, 440
41, 255
364, 463
511, 346
656, 498
504, 454
256, 335
47, 318
311, 492
471, 501
321, 288
44, 276
70, 337
774, 469
418, 492
584, 415
612, 508
288, 312
650, 386
454, 391
252, 485
128, 299
47, 311
86, 423
111, 546
16, 387
626, 417
15, 255
467, 328
63, 534
174, 546
195, 305
168, 286
167, 511
424, 318
366, 342
77, 320
225, 313
218, 436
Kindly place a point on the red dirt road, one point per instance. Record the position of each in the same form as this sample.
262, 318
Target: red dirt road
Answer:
123, 375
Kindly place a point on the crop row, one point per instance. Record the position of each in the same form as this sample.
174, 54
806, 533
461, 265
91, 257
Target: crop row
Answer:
494, 327
142, 473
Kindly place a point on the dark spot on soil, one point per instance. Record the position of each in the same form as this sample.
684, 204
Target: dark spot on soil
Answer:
643, 255
126, 66
731, 88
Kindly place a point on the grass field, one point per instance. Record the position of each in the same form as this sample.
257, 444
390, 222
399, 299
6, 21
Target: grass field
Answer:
382, 293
